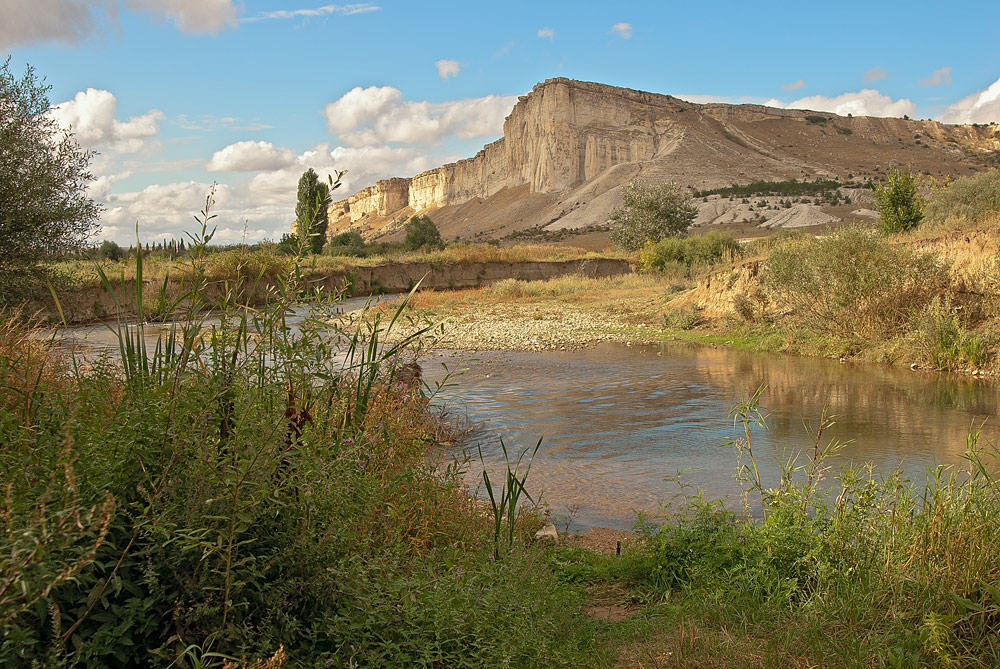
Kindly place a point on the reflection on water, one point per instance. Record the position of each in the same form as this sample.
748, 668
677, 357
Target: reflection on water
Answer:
617, 421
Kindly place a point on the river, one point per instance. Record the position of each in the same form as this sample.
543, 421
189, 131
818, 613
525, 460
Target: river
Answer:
619, 423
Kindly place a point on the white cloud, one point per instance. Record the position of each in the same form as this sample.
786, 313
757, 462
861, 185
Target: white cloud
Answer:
91, 116
378, 115
981, 107
866, 102
938, 77
325, 10
795, 86
876, 74
623, 30
546, 33
447, 68
250, 156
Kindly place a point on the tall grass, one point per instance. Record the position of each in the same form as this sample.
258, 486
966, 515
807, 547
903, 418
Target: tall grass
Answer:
857, 569
240, 489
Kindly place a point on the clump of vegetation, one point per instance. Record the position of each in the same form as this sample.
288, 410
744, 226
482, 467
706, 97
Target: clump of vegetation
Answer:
816, 119
945, 338
651, 213
969, 198
44, 207
898, 202
791, 188
852, 283
422, 234
237, 491
855, 570
695, 251
312, 216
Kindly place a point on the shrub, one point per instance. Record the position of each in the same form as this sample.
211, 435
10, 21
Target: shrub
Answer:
696, 251
650, 213
947, 343
109, 250
422, 233
971, 197
853, 283
899, 206
349, 243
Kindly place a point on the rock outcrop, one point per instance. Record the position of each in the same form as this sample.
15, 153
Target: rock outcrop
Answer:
569, 145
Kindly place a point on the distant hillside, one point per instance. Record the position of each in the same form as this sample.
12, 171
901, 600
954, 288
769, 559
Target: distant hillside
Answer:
568, 146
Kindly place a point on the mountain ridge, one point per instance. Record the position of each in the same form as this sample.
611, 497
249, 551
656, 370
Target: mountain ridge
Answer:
569, 145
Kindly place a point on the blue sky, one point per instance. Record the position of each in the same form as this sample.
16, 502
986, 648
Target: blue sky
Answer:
178, 94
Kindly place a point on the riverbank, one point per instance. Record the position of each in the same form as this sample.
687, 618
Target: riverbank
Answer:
945, 316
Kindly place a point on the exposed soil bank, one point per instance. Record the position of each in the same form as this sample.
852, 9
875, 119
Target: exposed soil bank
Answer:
94, 303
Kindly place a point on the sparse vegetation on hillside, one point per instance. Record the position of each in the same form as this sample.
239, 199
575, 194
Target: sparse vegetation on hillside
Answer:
778, 188
970, 198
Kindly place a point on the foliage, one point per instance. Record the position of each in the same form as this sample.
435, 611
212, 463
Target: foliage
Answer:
231, 488
43, 201
791, 188
311, 209
109, 250
422, 233
349, 243
898, 203
971, 198
852, 283
948, 343
650, 213
694, 251
860, 566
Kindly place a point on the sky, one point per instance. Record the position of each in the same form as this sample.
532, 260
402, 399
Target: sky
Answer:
178, 95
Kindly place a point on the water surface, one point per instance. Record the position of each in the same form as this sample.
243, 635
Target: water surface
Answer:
618, 421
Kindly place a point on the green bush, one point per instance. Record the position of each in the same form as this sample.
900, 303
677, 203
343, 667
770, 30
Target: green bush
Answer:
349, 243
946, 341
852, 283
898, 203
694, 251
971, 197
422, 233
650, 213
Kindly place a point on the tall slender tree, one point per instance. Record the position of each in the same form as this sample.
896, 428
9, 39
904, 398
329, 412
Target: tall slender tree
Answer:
311, 216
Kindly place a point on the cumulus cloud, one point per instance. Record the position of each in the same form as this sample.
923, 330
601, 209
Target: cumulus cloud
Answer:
876, 74
325, 10
70, 21
91, 116
866, 102
795, 86
938, 77
447, 68
981, 107
546, 33
250, 156
623, 30
378, 115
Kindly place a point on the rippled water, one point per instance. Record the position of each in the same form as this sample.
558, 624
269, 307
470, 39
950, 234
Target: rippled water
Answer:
617, 421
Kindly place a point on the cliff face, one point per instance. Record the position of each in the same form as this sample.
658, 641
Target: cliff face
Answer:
569, 140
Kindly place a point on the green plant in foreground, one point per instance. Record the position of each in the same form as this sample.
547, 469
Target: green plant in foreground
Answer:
898, 203
503, 502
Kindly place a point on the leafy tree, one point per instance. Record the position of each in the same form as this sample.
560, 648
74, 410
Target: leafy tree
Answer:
44, 206
422, 233
110, 250
311, 213
651, 213
898, 203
